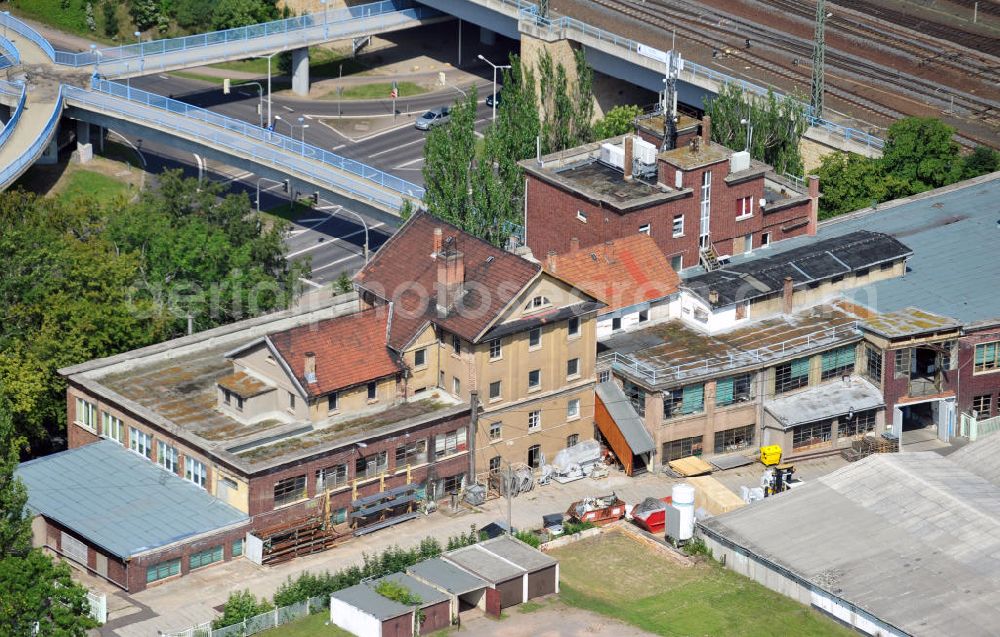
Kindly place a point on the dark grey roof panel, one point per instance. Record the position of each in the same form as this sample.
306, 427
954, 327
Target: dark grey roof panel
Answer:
624, 415
364, 598
447, 576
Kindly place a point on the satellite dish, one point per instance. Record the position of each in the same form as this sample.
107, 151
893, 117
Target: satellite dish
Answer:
762, 202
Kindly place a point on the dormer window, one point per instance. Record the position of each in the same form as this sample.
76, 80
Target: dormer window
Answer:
537, 302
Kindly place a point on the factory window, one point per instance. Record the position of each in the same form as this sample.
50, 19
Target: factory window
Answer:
140, 442
496, 388
331, 477
573, 326
420, 357
496, 431
290, 490
636, 395
372, 465
858, 425
573, 368
982, 406
331, 403
581, 215
450, 443
237, 548
86, 414
987, 357
163, 570
811, 435
535, 338
534, 420
495, 464
678, 226
534, 379
734, 439
166, 457
604, 375
195, 471
791, 375
677, 449
837, 362
456, 343
496, 349
534, 456
902, 363
573, 409
452, 484
873, 364
572, 440
616, 324
735, 389
683, 401
644, 229
206, 557
113, 428
411, 454
677, 262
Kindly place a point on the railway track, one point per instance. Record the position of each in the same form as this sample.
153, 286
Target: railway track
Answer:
717, 31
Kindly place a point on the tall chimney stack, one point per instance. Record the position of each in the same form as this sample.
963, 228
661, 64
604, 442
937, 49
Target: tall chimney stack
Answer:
628, 158
450, 278
309, 367
437, 242
706, 130
813, 205
786, 294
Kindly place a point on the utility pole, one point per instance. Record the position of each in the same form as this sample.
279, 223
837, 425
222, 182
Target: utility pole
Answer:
473, 433
819, 59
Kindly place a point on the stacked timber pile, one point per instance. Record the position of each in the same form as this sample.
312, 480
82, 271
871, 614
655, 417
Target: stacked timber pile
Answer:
868, 445
300, 537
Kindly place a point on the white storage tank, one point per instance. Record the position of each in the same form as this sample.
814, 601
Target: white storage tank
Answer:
682, 499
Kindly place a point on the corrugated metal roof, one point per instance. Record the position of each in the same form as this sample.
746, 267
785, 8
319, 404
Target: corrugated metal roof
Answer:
364, 598
624, 415
825, 401
981, 457
119, 500
447, 576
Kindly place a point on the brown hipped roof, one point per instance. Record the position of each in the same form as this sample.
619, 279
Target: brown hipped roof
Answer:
349, 350
622, 273
404, 272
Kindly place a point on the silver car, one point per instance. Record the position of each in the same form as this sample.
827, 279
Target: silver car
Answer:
433, 117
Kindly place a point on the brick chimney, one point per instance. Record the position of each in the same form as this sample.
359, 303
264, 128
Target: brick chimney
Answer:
551, 261
309, 367
574, 244
437, 242
706, 130
713, 297
450, 278
813, 205
628, 158
786, 293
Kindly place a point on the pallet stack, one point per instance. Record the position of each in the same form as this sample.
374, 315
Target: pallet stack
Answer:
300, 537
866, 446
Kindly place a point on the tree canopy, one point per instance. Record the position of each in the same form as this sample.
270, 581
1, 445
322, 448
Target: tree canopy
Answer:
922, 152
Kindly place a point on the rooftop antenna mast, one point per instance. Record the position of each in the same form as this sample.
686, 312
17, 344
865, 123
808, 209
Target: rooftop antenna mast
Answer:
669, 109
819, 59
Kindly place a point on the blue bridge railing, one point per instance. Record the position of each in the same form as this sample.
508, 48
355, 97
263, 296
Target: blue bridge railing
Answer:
13, 23
9, 52
276, 149
10, 172
10, 88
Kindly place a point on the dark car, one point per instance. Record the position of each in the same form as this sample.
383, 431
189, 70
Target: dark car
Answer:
490, 99
433, 117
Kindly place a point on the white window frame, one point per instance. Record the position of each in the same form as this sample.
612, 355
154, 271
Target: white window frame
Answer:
498, 427
574, 374
573, 409
678, 233
705, 225
746, 208
140, 442
116, 425
537, 385
195, 471
581, 216
499, 386
570, 332
86, 414
537, 345
496, 345
534, 420
645, 229
420, 353
765, 239
167, 456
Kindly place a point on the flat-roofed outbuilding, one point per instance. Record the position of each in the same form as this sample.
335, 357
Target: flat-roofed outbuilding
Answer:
365, 613
435, 603
509, 579
463, 588
543, 571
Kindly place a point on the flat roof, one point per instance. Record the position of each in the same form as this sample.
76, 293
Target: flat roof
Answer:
686, 158
981, 458
428, 594
953, 233
485, 564
671, 353
121, 501
447, 576
908, 321
516, 551
606, 181
912, 538
626, 419
364, 598
827, 400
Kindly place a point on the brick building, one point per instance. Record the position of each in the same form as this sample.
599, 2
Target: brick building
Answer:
700, 200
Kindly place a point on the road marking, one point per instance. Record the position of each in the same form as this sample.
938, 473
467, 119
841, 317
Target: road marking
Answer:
288, 108
311, 220
396, 148
333, 263
310, 282
243, 93
240, 176
411, 162
338, 147
164, 77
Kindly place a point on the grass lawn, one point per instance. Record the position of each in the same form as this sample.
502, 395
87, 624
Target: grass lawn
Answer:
616, 576
313, 625
376, 91
99, 186
323, 63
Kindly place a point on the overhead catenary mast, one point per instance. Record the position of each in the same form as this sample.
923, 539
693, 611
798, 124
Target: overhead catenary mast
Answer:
819, 59
669, 106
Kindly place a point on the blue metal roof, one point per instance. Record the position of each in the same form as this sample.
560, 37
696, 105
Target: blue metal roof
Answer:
119, 500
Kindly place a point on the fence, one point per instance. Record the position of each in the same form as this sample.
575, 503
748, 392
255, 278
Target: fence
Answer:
98, 606
9, 89
10, 22
973, 428
10, 172
10, 55
259, 623
272, 147
294, 25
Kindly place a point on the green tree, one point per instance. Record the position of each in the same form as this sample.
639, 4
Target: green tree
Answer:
193, 13
39, 591
981, 161
145, 13
449, 156
618, 121
241, 605
229, 14
15, 524
344, 284
850, 182
109, 10
922, 152
778, 125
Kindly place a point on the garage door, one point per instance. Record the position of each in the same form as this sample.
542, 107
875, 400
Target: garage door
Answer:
511, 592
542, 583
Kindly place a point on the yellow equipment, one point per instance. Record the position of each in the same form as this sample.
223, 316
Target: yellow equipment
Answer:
770, 455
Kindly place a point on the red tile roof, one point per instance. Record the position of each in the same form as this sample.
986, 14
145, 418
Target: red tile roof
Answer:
622, 273
349, 350
404, 271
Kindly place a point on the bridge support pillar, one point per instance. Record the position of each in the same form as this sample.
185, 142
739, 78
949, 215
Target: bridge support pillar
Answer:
300, 71
84, 149
50, 155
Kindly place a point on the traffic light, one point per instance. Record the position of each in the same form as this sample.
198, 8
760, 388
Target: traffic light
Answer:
286, 186
225, 86
315, 198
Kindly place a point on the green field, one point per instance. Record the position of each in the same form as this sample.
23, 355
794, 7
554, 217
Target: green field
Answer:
323, 63
311, 626
86, 183
616, 576
376, 91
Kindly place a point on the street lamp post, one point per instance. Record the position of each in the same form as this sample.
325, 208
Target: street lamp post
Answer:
260, 107
285, 183
269, 120
291, 126
361, 219
326, 19
495, 67
304, 127
746, 122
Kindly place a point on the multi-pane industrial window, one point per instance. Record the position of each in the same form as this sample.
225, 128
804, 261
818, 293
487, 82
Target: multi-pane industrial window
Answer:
535, 337
573, 326
791, 375
420, 357
331, 477
678, 225
166, 457
573, 409
812, 434
206, 557
572, 440
949, 356
982, 405
163, 570
677, 449
496, 390
987, 357
237, 548
837, 362
735, 389
495, 464
86, 414
534, 420
332, 403
452, 484
534, 379
112, 428
496, 431
902, 363
861, 423
496, 349
288, 490
684, 400
449, 443
371, 465
140, 442
535, 456
572, 367
636, 396
411, 454
734, 439
195, 471
604, 375
873, 364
